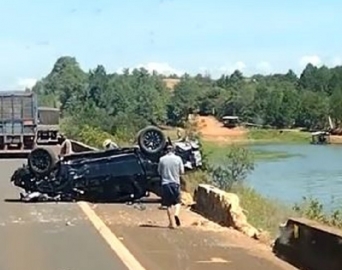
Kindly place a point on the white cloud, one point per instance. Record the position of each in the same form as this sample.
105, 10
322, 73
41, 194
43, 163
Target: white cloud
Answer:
312, 59
239, 65
336, 61
26, 83
160, 67
264, 67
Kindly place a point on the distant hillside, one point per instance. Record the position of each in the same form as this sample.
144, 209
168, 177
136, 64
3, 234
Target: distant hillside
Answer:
171, 83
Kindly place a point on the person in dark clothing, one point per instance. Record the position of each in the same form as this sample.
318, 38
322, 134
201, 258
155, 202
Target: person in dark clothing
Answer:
170, 168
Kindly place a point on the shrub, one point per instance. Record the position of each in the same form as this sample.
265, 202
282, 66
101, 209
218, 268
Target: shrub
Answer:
237, 164
314, 210
92, 136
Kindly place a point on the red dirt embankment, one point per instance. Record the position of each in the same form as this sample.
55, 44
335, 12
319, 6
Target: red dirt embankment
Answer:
171, 83
213, 130
335, 139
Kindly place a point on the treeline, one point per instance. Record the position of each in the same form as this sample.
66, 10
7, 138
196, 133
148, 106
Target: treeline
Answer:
123, 103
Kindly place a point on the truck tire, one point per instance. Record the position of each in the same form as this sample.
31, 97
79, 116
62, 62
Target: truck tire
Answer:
41, 161
151, 140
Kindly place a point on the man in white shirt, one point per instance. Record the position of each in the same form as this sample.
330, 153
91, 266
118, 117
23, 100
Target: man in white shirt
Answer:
171, 168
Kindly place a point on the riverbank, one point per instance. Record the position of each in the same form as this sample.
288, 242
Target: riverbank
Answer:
278, 136
262, 212
267, 212
216, 152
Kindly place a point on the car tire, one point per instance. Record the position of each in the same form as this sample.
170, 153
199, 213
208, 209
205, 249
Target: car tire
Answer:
41, 161
148, 134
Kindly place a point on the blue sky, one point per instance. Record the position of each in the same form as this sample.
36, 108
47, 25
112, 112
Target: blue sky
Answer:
215, 36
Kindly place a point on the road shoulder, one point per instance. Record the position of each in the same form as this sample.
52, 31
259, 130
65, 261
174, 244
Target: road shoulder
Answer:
196, 244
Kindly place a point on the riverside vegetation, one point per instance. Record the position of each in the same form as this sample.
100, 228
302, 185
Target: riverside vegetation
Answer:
96, 105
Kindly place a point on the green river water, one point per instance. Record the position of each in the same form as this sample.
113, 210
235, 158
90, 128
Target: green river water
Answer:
314, 171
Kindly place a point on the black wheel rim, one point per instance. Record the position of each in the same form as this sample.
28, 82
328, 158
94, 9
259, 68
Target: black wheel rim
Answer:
40, 161
152, 140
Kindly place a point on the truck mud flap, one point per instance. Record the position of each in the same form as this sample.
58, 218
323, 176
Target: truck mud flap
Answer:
14, 154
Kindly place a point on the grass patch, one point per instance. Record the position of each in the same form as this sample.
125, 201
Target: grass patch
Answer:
192, 179
283, 136
217, 152
263, 213
268, 213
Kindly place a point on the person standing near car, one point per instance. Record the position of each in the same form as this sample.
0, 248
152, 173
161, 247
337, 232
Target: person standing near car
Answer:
109, 144
170, 168
66, 147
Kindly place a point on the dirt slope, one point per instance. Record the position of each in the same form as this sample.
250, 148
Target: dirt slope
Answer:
213, 130
171, 83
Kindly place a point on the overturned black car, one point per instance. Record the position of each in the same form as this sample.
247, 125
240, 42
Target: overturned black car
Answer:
124, 174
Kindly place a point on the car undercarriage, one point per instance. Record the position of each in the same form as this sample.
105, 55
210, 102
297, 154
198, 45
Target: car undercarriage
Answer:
115, 175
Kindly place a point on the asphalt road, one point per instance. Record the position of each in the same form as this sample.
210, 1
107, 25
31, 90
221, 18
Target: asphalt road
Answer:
51, 236
190, 247
47, 236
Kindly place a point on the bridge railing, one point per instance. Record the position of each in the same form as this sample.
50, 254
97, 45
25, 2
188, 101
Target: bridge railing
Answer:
309, 245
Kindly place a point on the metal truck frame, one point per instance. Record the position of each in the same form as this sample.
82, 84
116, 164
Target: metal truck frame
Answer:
48, 132
18, 121
20, 127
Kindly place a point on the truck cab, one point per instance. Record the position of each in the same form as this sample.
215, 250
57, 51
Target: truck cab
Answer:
230, 121
48, 125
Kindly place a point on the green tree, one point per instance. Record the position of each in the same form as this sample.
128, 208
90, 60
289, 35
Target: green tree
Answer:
123, 103
237, 164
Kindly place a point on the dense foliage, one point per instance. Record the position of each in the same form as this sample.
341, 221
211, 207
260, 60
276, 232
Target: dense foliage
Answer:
96, 105
122, 103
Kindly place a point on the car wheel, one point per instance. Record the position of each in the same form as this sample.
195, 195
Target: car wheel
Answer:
151, 140
41, 161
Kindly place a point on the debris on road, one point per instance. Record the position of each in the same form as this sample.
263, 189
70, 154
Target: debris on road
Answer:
38, 197
68, 223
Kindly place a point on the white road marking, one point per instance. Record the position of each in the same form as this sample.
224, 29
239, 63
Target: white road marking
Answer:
115, 244
214, 260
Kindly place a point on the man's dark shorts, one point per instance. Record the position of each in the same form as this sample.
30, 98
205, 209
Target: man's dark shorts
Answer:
171, 194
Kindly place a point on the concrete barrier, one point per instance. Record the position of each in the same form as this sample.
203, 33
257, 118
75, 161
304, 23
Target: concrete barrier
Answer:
309, 245
223, 208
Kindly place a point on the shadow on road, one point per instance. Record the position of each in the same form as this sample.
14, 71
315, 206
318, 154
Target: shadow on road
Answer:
33, 202
153, 226
142, 201
13, 155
